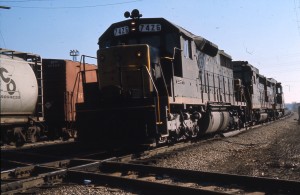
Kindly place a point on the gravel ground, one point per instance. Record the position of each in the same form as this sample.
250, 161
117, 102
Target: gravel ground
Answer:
74, 189
267, 151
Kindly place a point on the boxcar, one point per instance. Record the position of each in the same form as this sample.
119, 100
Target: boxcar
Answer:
62, 89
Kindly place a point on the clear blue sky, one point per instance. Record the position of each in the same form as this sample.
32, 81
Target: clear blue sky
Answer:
264, 32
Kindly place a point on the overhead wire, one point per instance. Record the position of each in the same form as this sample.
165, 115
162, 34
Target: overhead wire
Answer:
21, 1
72, 7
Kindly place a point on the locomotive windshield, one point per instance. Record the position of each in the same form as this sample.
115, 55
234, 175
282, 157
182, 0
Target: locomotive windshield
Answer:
152, 40
164, 42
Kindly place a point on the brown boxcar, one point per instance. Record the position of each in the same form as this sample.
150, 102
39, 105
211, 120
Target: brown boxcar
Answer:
62, 89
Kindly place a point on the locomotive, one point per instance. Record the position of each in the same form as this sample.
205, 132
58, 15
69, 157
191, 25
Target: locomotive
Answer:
38, 97
159, 83
264, 96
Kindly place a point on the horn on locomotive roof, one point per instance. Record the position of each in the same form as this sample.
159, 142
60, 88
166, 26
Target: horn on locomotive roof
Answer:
135, 14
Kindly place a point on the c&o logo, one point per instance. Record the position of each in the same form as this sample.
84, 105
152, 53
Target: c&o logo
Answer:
10, 83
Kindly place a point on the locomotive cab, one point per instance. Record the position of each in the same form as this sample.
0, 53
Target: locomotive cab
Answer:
279, 101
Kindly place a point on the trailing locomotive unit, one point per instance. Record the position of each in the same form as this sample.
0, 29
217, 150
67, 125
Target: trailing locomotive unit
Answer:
263, 95
21, 96
158, 82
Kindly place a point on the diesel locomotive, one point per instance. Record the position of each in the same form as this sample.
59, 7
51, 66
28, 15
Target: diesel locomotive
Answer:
159, 83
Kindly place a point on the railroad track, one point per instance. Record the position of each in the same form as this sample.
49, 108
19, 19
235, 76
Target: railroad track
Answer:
49, 170
143, 178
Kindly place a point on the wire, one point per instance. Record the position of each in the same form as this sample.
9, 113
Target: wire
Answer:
76, 7
20, 1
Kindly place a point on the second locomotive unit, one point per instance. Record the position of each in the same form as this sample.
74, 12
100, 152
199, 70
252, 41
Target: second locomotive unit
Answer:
159, 83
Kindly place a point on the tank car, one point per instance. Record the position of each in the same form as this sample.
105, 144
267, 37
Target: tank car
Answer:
158, 83
21, 96
62, 89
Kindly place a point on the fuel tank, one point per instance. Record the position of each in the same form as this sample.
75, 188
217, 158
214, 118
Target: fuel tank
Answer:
19, 90
214, 121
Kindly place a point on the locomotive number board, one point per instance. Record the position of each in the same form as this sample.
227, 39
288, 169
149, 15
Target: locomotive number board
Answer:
121, 31
149, 27
142, 28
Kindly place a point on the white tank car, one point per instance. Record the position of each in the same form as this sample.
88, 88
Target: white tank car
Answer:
19, 90
21, 97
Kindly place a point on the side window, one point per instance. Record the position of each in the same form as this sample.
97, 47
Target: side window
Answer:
254, 80
278, 90
187, 49
107, 44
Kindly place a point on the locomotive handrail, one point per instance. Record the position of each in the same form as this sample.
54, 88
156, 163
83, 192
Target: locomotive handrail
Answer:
80, 72
157, 94
172, 61
163, 76
83, 60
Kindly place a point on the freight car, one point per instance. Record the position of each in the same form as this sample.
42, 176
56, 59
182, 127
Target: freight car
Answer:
159, 83
21, 113
38, 96
62, 89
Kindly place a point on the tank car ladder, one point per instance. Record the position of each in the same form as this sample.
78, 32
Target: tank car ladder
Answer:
40, 104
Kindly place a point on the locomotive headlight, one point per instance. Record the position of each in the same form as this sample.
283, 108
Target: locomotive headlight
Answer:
138, 54
133, 27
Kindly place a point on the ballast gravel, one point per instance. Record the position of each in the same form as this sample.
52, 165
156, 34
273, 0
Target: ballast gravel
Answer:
271, 150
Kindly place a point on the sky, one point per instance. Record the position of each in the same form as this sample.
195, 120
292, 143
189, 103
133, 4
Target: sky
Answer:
266, 33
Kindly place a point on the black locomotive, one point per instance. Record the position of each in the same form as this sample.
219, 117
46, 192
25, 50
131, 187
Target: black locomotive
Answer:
159, 83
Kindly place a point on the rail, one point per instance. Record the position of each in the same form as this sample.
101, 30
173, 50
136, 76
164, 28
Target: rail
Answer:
145, 178
131, 172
